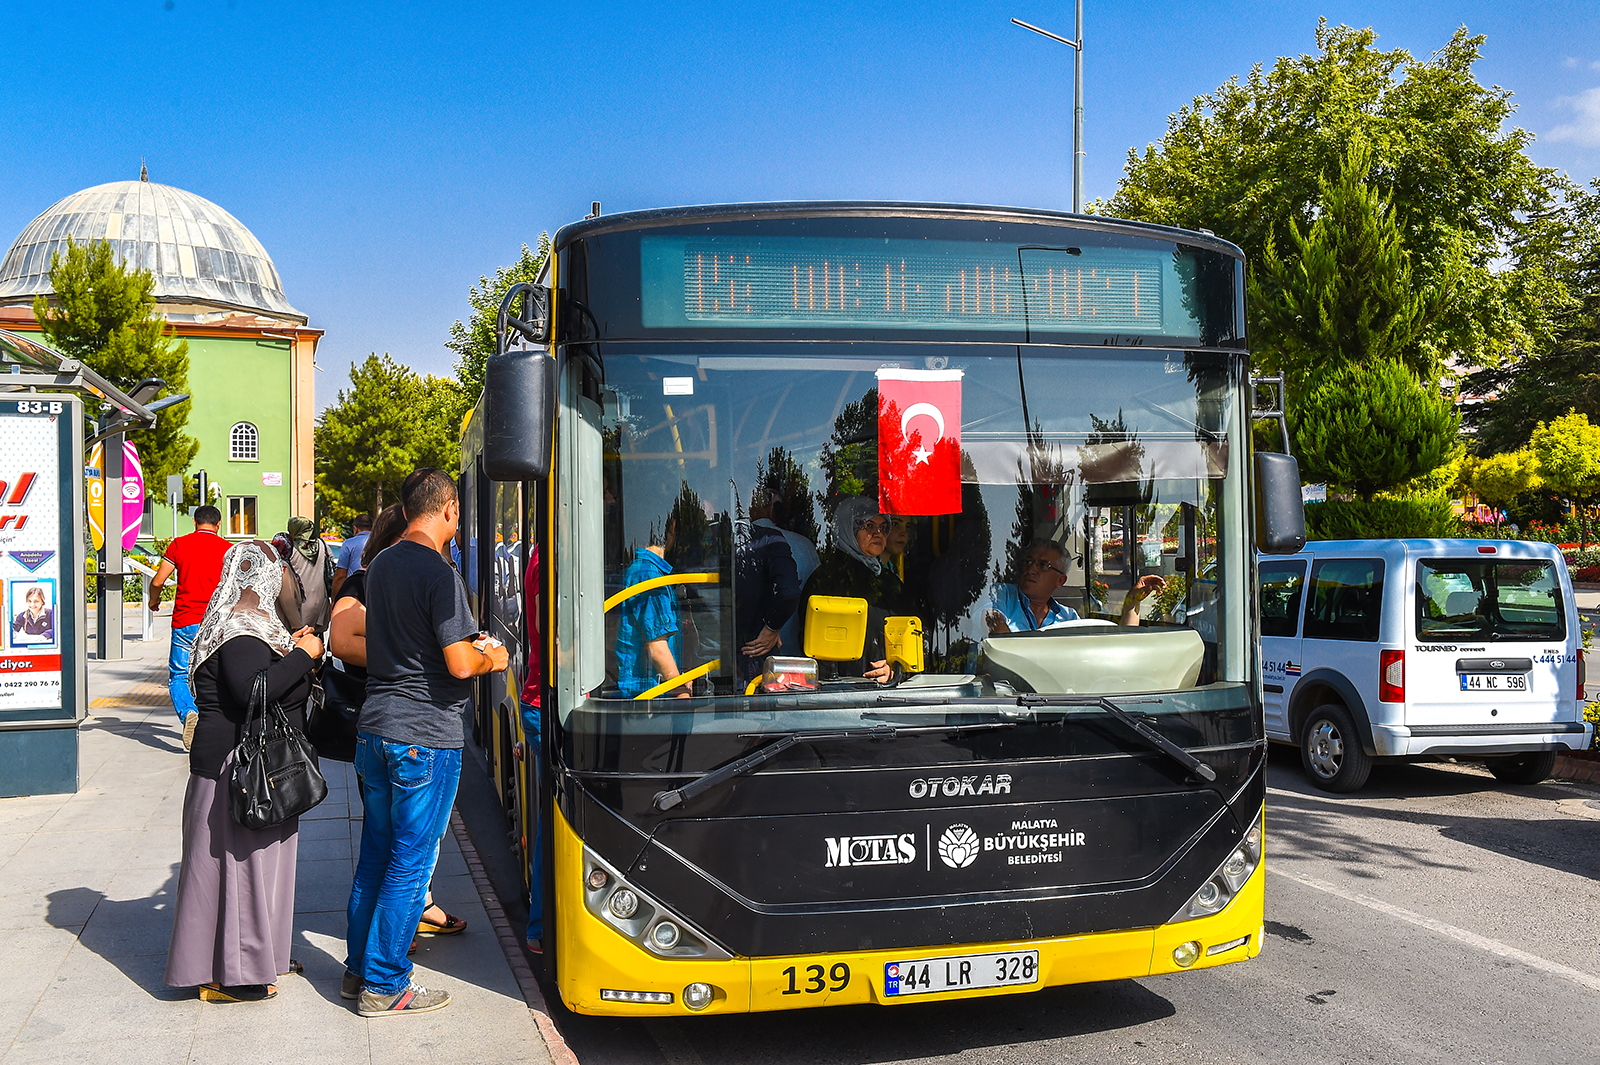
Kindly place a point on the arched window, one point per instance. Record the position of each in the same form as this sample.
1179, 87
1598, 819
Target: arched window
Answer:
242, 443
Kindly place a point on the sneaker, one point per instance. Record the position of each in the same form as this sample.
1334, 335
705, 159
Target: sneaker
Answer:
188, 728
414, 999
350, 986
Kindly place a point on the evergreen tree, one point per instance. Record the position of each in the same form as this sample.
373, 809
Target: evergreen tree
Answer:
1348, 293
473, 341
391, 421
104, 315
1371, 428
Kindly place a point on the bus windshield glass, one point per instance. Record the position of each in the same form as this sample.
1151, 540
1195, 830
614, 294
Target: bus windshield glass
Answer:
789, 538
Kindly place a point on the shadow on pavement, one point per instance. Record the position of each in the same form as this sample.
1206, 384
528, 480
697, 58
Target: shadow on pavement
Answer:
1318, 821
128, 934
855, 1034
138, 729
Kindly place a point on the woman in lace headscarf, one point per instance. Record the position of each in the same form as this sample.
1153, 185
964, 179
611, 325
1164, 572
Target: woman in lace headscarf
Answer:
853, 566
234, 913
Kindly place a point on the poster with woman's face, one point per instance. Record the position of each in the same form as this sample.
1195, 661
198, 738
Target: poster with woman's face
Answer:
32, 609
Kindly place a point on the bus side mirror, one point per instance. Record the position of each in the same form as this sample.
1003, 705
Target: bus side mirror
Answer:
1280, 514
519, 413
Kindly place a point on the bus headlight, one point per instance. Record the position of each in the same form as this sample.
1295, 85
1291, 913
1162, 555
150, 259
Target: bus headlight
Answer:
1186, 954
697, 996
632, 913
1219, 889
623, 903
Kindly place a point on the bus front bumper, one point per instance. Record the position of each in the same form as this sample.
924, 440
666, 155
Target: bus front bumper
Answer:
592, 957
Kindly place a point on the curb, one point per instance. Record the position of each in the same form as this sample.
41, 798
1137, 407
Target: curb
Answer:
1581, 770
511, 944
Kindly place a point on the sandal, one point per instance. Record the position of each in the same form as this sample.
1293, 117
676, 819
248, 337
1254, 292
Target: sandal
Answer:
295, 968
449, 927
237, 992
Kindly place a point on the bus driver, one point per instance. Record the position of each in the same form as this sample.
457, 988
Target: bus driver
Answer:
1029, 603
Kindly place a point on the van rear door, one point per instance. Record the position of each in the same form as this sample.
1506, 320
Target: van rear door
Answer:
1493, 646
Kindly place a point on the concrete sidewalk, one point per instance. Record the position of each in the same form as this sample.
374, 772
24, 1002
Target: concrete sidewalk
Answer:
86, 885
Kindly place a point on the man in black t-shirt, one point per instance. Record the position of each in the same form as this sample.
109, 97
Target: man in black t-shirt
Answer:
423, 649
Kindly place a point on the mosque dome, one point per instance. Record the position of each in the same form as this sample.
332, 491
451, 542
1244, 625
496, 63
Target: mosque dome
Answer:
199, 255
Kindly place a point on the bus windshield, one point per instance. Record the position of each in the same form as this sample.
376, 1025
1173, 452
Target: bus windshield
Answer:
1000, 512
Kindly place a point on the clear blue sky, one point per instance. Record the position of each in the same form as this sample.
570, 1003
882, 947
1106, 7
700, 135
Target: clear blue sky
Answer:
387, 154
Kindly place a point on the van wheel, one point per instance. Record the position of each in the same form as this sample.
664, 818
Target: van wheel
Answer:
1331, 751
1523, 768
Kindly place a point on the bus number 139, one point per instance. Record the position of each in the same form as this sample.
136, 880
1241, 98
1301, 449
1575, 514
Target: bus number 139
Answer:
815, 980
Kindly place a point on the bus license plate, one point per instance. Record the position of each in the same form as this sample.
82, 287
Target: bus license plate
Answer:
960, 972
1494, 682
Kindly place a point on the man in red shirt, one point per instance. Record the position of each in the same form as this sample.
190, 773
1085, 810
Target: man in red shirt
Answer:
198, 561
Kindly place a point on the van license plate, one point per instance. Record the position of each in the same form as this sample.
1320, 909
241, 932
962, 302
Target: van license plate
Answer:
960, 972
1494, 682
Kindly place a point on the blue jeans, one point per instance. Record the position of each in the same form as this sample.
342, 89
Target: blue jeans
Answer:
407, 792
178, 669
534, 752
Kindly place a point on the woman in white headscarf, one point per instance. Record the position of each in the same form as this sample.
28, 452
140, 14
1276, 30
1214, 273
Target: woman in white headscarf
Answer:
853, 566
234, 913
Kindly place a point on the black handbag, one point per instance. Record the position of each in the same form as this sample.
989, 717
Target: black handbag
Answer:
275, 775
334, 713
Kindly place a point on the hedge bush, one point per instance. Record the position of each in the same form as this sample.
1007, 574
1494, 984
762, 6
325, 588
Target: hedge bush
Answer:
1355, 519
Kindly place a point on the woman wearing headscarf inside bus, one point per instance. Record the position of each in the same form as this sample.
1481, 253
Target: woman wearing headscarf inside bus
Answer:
234, 912
853, 566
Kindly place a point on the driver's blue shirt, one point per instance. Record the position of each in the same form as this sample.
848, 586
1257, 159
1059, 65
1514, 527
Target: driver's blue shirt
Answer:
1019, 612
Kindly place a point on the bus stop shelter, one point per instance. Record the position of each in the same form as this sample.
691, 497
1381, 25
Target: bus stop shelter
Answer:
45, 399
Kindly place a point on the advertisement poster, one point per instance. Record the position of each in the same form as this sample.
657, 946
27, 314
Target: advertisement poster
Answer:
33, 633
132, 495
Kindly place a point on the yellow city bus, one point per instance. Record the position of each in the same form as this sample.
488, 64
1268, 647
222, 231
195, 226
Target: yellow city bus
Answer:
899, 642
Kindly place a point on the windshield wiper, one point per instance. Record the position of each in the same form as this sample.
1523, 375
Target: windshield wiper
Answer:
666, 800
1140, 727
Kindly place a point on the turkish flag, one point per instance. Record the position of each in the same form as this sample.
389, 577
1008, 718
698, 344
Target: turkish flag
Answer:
919, 441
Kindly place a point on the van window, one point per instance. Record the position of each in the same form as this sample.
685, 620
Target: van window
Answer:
1346, 599
1282, 585
1462, 599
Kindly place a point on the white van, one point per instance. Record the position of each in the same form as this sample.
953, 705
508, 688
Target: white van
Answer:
1405, 650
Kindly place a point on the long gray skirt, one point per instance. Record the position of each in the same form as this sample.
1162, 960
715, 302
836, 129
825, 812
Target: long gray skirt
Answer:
234, 914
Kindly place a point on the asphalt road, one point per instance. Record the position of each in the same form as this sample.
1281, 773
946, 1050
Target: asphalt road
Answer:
1435, 916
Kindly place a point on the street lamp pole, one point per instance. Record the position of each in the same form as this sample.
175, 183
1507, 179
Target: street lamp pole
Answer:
1077, 101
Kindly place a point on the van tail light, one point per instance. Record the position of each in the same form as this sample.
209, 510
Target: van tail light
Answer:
1583, 676
1392, 676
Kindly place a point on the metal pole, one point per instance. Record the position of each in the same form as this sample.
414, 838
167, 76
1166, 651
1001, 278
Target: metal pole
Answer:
109, 619
1077, 100
1077, 116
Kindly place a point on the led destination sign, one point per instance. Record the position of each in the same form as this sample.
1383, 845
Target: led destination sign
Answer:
910, 284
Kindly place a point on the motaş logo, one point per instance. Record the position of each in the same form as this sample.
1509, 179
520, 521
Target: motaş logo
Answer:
846, 851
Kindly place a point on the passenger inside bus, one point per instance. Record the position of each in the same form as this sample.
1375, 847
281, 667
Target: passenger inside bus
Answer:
1028, 604
649, 645
766, 590
853, 566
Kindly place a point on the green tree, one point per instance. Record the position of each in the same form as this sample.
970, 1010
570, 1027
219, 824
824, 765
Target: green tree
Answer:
473, 340
1568, 449
1371, 428
1517, 395
1347, 293
104, 315
1499, 479
1246, 161
390, 421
